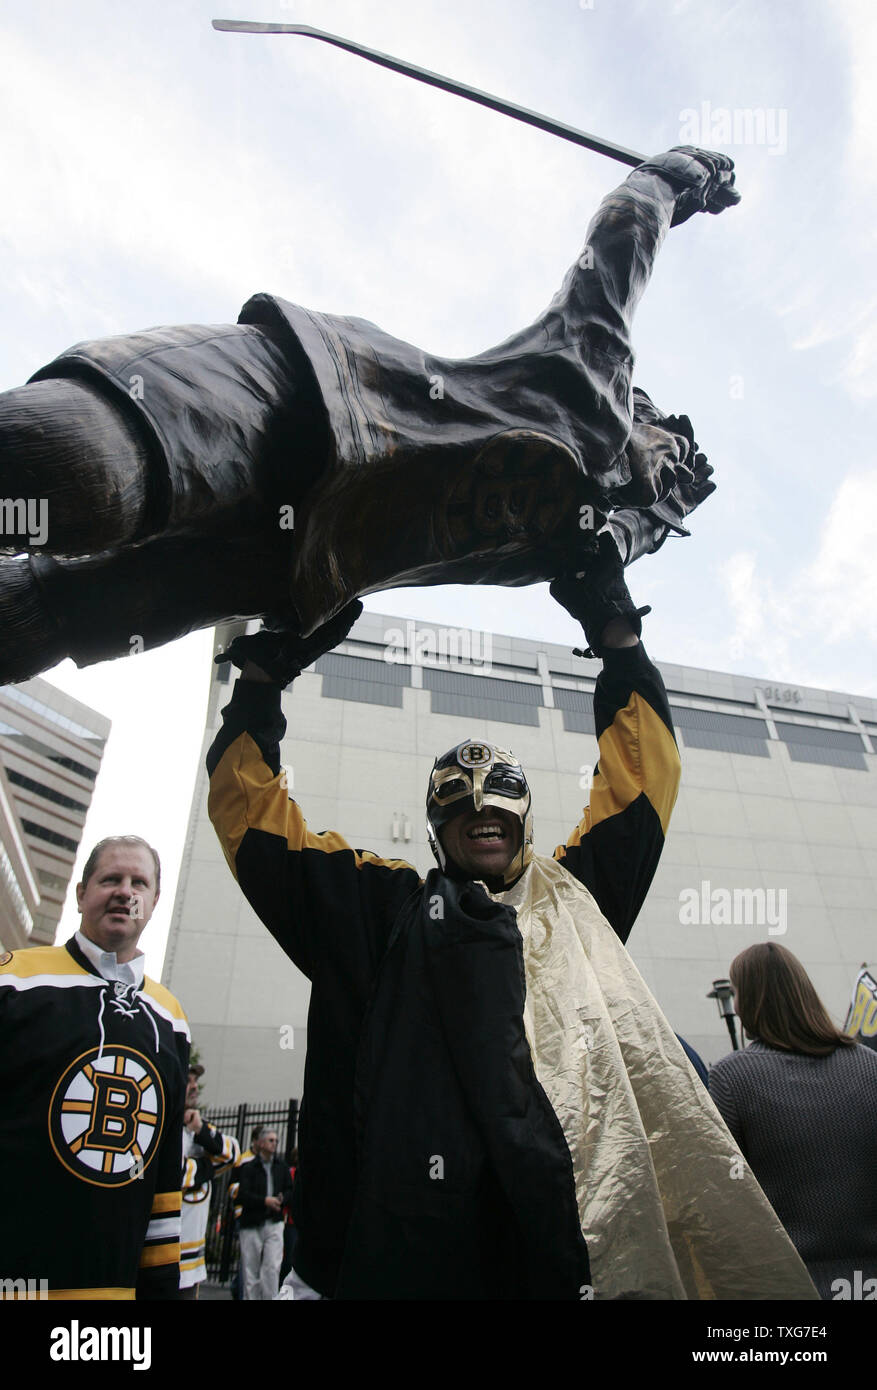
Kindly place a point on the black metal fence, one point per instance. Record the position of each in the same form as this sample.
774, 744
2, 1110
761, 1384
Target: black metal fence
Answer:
222, 1252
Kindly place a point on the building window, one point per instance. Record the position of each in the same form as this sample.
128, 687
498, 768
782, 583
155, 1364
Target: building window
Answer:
43, 750
48, 792
830, 747
481, 697
41, 832
721, 733
357, 678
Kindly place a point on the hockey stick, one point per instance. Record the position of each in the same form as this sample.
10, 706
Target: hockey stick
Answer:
445, 84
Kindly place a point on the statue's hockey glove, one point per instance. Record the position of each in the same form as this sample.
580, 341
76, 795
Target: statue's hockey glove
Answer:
704, 180
283, 653
598, 595
643, 530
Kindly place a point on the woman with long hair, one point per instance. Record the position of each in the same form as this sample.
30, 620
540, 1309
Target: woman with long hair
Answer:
801, 1103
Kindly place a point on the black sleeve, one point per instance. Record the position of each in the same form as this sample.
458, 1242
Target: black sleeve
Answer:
615, 848
314, 893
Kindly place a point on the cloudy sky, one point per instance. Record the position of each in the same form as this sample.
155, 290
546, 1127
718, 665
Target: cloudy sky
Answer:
156, 171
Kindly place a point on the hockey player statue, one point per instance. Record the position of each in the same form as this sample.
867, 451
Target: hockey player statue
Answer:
283, 465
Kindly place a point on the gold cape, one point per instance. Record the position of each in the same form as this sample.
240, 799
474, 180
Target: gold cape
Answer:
667, 1205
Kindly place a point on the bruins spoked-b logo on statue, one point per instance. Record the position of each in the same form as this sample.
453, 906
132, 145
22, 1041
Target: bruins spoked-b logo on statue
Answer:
106, 1115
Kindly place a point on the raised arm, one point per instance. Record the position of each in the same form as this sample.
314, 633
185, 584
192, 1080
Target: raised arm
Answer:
313, 891
615, 848
579, 353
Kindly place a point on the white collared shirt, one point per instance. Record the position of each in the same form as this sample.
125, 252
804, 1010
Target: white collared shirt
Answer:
128, 973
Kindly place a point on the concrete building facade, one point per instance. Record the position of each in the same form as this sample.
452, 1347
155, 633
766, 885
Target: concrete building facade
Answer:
774, 836
51, 748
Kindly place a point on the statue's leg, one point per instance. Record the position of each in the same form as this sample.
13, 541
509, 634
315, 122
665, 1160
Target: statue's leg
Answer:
73, 469
184, 483
193, 430
126, 602
229, 414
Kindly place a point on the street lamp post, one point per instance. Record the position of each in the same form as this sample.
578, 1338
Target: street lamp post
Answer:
723, 993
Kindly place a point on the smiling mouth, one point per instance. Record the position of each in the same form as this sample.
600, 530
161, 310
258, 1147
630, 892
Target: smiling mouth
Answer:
492, 833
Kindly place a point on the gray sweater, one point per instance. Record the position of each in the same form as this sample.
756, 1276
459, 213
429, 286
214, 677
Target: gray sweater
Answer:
807, 1126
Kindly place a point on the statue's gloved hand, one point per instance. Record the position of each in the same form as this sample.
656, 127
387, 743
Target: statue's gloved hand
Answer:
283, 653
643, 530
693, 484
598, 595
704, 180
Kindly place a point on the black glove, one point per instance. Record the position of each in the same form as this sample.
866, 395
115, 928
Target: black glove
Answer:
643, 530
705, 180
598, 596
283, 653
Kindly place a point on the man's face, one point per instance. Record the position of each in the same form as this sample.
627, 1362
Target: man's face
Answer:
482, 843
192, 1088
118, 900
657, 458
267, 1144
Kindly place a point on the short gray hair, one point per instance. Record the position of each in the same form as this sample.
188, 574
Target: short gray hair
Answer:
92, 860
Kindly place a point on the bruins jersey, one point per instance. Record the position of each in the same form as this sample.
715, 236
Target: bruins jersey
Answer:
92, 1079
205, 1155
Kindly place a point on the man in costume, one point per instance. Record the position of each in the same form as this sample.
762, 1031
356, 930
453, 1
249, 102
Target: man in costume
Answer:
285, 464
494, 1105
93, 1068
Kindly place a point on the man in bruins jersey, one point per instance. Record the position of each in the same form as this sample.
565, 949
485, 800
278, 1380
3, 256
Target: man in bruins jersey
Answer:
93, 1064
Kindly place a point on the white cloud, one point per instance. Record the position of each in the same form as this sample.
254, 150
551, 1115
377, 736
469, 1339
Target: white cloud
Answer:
794, 624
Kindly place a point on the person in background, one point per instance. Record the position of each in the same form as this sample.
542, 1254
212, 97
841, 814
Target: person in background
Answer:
234, 1206
265, 1186
801, 1102
206, 1154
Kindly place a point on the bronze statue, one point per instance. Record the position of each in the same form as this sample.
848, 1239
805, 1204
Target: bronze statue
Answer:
286, 464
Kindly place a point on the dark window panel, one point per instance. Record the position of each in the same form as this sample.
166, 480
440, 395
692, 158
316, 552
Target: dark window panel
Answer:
482, 688
50, 836
819, 738
42, 790
724, 743
710, 721
827, 757
357, 668
470, 707
365, 692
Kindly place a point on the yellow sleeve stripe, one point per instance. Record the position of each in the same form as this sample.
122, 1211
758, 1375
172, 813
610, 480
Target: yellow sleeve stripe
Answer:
168, 1254
167, 1201
244, 795
104, 1295
638, 755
